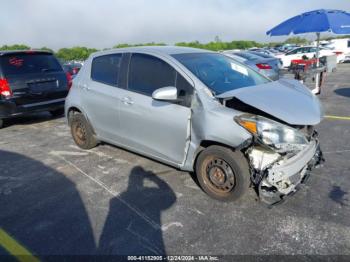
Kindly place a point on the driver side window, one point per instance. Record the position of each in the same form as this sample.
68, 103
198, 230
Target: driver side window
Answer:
148, 73
184, 90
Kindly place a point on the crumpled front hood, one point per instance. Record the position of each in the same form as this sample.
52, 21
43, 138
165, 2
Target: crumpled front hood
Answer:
285, 99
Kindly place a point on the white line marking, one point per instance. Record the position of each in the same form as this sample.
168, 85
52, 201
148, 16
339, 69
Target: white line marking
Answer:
197, 211
102, 154
167, 226
115, 194
68, 153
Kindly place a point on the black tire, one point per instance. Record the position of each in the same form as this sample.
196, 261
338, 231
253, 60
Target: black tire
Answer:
57, 112
223, 173
1, 123
82, 132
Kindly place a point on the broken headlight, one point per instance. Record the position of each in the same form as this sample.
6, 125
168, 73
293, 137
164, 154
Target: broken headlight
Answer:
274, 134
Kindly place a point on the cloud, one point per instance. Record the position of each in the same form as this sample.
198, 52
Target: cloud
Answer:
105, 23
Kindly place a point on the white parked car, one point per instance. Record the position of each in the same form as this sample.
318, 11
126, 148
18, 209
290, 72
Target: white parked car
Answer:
300, 52
341, 47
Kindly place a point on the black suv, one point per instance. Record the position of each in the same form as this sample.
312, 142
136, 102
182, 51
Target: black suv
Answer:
31, 81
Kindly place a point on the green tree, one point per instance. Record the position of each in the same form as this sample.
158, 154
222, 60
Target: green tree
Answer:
44, 48
219, 45
142, 44
217, 39
297, 40
75, 53
335, 37
15, 47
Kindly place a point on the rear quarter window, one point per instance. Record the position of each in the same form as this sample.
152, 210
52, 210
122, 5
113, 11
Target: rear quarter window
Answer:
105, 69
15, 64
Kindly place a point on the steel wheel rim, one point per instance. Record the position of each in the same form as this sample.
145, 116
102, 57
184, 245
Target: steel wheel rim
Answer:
79, 133
219, 175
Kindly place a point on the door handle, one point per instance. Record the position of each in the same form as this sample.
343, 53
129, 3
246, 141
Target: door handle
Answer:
127, 100
86, 87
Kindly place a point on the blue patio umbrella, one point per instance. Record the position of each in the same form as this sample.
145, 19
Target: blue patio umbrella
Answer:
317, 21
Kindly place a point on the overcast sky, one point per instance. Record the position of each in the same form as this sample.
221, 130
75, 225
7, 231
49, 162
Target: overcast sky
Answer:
104, 23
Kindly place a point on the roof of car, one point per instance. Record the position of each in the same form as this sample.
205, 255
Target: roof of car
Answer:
168, 50
7, 52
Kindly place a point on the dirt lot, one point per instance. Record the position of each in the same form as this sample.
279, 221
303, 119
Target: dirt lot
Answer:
58, 199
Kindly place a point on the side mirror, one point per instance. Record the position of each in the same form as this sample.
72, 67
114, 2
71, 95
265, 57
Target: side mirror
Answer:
168, 93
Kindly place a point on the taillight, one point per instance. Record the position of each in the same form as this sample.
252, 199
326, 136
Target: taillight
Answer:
5, 89
69, 80
338, 53
263, 66
75, 70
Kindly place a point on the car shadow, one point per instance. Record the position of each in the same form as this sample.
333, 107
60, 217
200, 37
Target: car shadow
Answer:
29, 119
133, 225
343, 92
43, 211
41, 208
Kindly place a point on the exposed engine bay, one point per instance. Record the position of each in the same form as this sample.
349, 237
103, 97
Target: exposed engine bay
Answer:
276, 175
280, 155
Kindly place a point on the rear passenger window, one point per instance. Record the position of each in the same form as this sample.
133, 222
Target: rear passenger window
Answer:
105, 69
148, 73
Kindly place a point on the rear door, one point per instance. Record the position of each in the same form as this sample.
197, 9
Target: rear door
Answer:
34, 77
100, 95
156, 128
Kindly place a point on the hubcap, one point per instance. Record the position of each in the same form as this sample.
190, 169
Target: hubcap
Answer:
220, 175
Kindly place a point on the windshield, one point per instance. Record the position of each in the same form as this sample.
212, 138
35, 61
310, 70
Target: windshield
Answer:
220, 73
23, 63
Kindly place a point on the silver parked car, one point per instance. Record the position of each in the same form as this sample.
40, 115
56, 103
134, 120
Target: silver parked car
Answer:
199, 111
268, 66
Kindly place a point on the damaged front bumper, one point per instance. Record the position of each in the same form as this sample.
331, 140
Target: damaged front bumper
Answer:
276, 176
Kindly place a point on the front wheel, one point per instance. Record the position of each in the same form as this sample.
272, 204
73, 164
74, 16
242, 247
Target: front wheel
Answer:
222, 173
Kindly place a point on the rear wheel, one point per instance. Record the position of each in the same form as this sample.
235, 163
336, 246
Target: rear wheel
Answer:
1, 123
222, 173
82, 132
57, 112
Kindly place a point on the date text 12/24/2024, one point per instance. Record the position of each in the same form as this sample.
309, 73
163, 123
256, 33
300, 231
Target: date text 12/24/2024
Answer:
173, 258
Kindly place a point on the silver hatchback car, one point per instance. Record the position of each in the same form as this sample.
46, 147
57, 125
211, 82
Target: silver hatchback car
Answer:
199, 111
